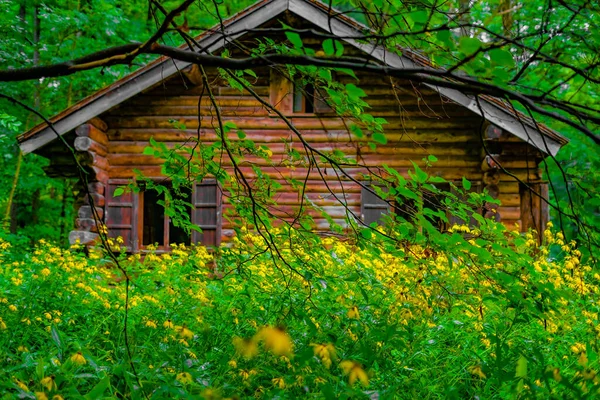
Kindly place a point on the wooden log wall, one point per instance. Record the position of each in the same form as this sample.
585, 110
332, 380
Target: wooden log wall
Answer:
420, 123
91, 146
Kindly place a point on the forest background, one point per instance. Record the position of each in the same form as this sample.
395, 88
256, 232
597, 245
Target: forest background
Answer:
546, 52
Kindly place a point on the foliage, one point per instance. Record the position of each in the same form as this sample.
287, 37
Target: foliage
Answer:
491, 316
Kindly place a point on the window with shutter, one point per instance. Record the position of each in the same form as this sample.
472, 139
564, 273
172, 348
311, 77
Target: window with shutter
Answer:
206, 213
120, 214
157, 226
296, 97
373, 207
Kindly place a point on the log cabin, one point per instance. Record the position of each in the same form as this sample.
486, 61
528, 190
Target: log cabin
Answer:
485, 139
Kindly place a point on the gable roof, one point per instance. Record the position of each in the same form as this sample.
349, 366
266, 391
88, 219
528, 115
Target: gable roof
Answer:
496, 111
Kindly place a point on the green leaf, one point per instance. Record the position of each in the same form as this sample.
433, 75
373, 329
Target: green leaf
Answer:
339, 48
366, 233
148, 151
502, 57
379, 138
466, 184
357, 131
355, 91
328, 47
118, 192
432, 158
521, 371
99, 389
56, 334
420, 17
295, 40
469, 45
241, 134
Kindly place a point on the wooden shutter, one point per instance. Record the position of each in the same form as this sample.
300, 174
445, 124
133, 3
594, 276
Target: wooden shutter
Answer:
372, 207
320, 102
281, 91
121, 214
206, 213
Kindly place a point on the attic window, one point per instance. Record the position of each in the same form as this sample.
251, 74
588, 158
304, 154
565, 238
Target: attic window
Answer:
296, 97
303, 98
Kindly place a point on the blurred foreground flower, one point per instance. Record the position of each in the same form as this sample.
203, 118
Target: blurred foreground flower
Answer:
355, 372
276, 340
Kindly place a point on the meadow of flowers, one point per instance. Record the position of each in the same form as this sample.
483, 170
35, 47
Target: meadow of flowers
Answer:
491, 315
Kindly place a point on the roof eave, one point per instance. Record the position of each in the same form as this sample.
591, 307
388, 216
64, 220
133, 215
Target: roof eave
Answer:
146, 77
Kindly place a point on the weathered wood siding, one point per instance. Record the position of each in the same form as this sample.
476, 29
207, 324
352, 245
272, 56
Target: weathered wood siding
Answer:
419, 123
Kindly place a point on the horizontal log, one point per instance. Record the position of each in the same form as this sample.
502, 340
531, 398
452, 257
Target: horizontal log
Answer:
92, 132
281, 149
325, 123
510, 200
430, 105
372, 160
454, 137
98, 123
99, 175
87, 144
98, 200
125, 172
177, 90
509, 213
93, 159
86, 224
96, 187
86, 212
229, 110
83, 237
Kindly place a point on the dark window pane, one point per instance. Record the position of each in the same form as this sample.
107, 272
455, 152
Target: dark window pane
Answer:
309, 96
154, 219
178, 234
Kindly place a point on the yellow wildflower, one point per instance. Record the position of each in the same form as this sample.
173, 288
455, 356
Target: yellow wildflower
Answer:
57, 397
278, 382
184, 378
41, 396
355, 372
12, 307
21, 385
247, 348
185, 333
353, 313
168, 324
45, 272
151, 324
276, 340
244, 374
48, 383
476, 370
232, 363
78, 358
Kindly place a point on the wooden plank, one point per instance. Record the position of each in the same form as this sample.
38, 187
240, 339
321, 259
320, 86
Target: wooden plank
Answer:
421, 136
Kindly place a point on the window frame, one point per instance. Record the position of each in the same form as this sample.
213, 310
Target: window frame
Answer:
392, 206
283, 94
124, 216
